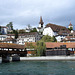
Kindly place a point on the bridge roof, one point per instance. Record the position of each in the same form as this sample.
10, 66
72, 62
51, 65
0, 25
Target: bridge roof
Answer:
12, 46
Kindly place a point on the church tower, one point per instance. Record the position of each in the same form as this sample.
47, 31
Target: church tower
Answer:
41, 22
70, 25
40, 28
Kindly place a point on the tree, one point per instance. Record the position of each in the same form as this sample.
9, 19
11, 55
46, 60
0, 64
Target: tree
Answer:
41, 47
47, 38
34, 30
10, 26
16, 34
30, 45
21, 31
29, 27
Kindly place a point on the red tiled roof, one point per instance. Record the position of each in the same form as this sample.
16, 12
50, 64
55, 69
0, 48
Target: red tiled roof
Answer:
57, 44
11, 45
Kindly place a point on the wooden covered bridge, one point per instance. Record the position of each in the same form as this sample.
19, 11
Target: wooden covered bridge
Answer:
9, 49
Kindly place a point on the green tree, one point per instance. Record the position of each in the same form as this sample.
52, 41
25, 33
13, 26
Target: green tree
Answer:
16, 34
29, 26
47, 38
34, 30
41, 47
10, 25
21, 31
30, 45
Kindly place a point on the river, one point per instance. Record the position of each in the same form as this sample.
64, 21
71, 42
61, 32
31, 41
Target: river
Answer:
38, 68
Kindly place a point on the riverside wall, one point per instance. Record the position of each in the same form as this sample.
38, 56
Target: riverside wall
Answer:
70, 58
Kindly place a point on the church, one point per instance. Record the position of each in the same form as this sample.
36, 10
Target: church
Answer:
60, 32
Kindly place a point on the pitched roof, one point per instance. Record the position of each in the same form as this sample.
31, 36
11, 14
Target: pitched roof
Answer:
9, 39
3, 27
11, 45
57, 44
69, 38
70, 24
57, 28
73, 33
30, 33
41, 21
63, 32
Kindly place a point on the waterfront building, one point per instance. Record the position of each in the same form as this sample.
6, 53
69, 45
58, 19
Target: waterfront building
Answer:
60, 48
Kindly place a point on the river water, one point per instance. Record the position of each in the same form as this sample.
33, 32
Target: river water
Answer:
38, 68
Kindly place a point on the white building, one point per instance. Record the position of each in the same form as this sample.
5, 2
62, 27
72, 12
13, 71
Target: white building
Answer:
9, 40
3, 30
3, 37
60, 32
28, 37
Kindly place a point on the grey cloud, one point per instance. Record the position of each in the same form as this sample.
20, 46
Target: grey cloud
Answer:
24, 12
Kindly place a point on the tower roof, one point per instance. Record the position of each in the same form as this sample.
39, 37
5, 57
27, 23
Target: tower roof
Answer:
70, 24
41, 21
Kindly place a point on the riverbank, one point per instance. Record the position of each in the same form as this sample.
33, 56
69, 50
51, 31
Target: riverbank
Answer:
70, 58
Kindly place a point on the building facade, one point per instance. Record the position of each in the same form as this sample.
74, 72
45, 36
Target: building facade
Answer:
28, 37
60, 32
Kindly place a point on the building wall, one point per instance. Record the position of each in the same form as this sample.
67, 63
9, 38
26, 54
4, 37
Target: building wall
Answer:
28, 38
11, 36
23, 40
48, 31
4, 31
2, 37
59, 38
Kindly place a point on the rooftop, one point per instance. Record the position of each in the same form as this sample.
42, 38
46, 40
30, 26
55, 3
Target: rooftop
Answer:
57, 28
11, 45
57, 44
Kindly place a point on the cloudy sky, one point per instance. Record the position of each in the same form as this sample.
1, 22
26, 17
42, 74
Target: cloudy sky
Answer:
24, 12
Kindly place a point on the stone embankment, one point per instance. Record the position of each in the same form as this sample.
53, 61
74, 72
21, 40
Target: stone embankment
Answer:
49, 58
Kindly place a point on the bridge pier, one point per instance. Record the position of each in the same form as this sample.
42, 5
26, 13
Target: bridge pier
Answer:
16, 58
0, 59
5, 58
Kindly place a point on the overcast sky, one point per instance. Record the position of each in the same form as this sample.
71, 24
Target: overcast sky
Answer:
24, 12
